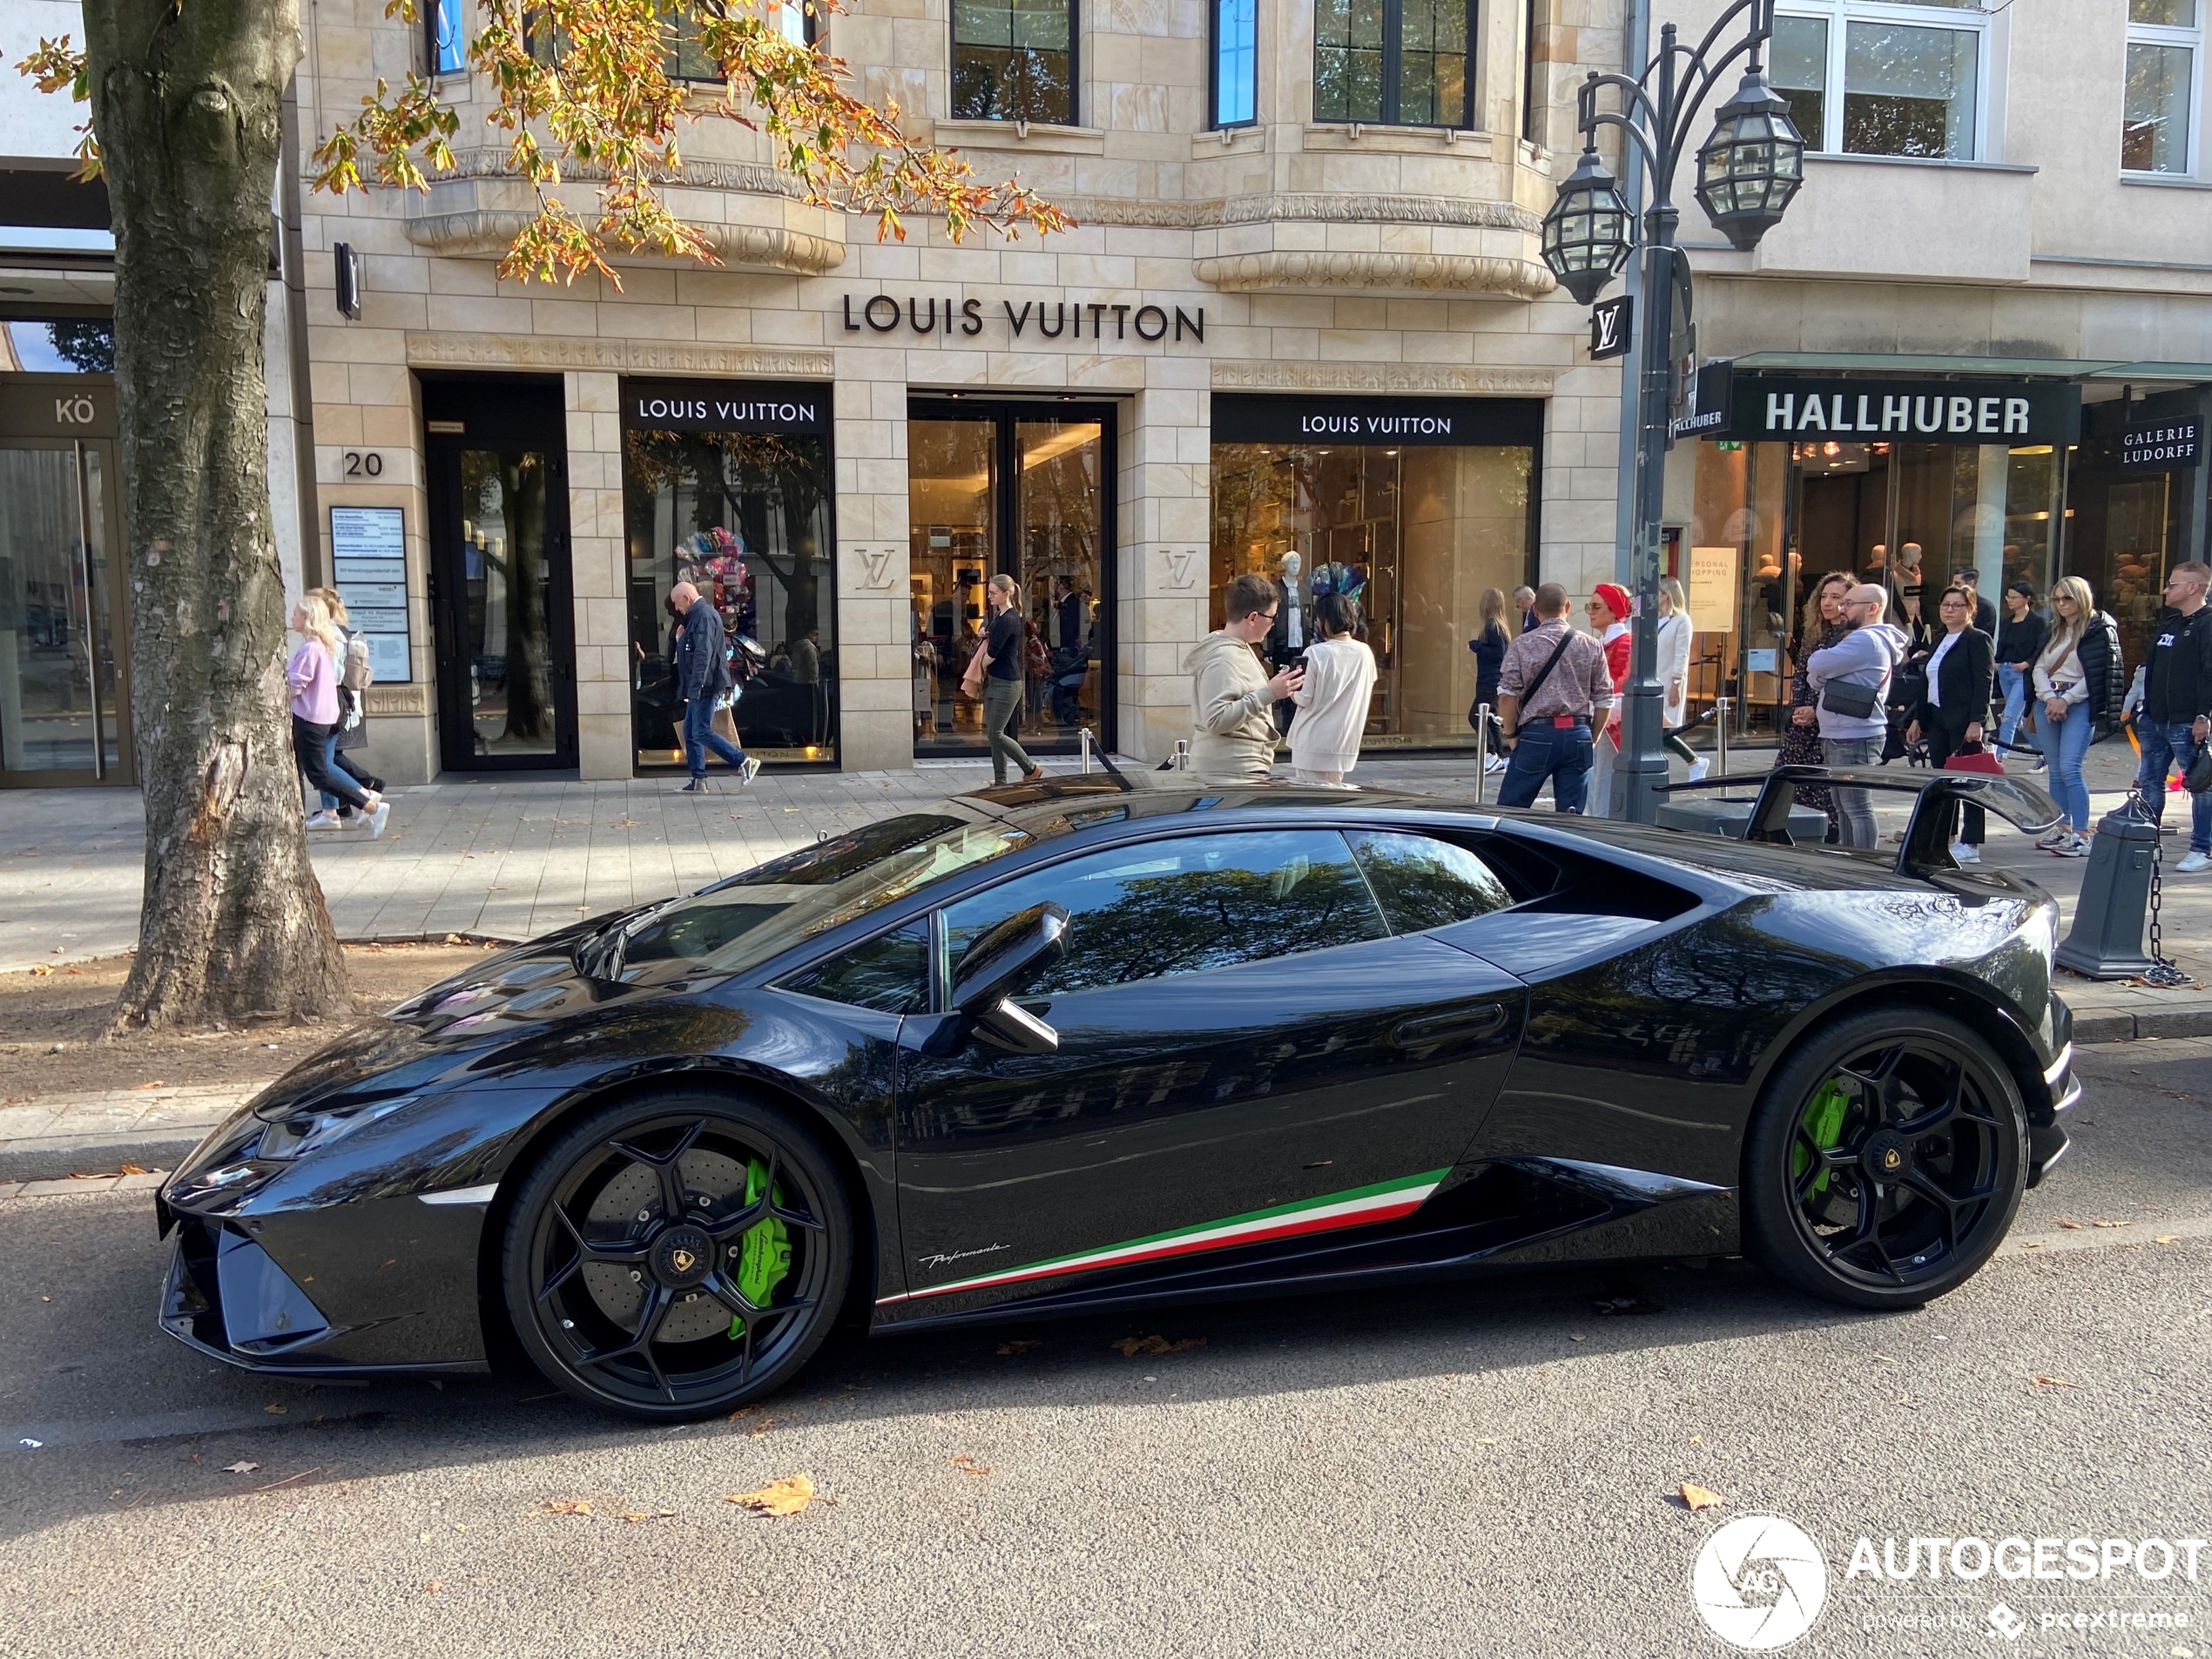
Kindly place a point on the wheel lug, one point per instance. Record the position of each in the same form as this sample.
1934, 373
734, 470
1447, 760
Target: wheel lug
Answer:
568, 1324
645, 1214
637, 1278
690, 1295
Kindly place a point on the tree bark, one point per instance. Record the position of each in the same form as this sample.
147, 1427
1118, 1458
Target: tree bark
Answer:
187, 104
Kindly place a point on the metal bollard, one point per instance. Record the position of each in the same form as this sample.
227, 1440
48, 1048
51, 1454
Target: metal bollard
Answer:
1182, 754
1720, 735
1085, 735
1482, 749
2107, 939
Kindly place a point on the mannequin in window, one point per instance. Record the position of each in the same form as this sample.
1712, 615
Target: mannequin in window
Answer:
1287, 639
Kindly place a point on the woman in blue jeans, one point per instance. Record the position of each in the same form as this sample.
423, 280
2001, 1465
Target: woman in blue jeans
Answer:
2073, 681
2021, 635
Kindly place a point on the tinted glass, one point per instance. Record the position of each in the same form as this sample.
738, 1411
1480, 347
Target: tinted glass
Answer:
1012, 60
2155, 137
1184, 906
887, 972
1423, 882
1236, 67
842, 855
1910, 91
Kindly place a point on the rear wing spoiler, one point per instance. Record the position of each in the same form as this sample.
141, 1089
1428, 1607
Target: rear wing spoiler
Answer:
1926, 849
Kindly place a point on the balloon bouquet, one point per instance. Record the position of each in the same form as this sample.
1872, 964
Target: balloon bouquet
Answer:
713, 562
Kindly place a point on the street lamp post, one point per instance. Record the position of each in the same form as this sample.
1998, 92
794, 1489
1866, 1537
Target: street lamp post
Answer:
1748, 169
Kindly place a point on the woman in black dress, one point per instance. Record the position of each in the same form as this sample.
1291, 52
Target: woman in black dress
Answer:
1822, 626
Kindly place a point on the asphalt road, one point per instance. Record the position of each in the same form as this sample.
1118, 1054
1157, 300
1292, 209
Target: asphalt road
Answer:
1487, 1468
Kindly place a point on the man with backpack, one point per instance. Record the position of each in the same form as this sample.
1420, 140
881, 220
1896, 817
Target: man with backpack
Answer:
702, 676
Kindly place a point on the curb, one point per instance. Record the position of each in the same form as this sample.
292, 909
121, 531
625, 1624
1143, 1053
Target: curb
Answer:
2153, 1024
69, 1159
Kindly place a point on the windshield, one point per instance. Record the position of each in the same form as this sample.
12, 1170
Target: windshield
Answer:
743, 922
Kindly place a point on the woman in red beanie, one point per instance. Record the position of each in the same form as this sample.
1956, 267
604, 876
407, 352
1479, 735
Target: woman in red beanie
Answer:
1608, 614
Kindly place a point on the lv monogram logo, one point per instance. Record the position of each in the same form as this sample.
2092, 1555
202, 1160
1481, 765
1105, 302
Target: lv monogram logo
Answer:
1179, 562
878, 559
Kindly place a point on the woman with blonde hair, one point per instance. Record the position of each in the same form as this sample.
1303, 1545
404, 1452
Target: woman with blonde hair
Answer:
1489, 647
1823, 624
2077, 685
354, 678
1674, 630
312, 673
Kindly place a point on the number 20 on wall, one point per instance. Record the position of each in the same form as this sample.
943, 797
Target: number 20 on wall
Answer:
362, 463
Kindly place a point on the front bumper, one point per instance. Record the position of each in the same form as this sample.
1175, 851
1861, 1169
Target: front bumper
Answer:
2046, 1136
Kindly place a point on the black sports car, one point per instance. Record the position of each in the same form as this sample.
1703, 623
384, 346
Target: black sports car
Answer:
1098, 1042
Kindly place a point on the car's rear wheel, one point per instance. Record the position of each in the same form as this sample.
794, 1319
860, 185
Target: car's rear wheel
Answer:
675, 1256
1886, 1161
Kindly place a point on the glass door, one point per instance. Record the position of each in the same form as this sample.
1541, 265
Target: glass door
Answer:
500, 596
1025, 490
64, 686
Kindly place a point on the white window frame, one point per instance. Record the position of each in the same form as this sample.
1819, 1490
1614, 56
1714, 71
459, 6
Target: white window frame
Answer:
1839, 14
2148, 34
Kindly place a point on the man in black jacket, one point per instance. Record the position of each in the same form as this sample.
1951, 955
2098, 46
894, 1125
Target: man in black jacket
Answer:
1984, 617
2021, 635
702, 675
2177, 716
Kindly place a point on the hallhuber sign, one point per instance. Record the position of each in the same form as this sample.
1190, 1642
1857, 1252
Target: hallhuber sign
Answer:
1964, 411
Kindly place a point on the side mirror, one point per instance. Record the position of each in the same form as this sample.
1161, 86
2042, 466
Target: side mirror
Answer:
997, 965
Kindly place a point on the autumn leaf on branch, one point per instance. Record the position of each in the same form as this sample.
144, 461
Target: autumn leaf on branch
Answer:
583, 89
57, 66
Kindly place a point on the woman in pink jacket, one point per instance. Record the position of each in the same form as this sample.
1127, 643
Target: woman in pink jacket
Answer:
313, 674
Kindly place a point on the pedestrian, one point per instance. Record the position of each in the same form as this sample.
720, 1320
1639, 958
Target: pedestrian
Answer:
1005, 652
1608, 613
312, 673
1822, 625
1905, 586
2177, 716
1489, 645
1232, 698
1984, 617
2021, 638
2074, 685
1675, 630
1333, 703
1851, 678
354, 677
1554, 687
1955, 706
1524, 601
703, 681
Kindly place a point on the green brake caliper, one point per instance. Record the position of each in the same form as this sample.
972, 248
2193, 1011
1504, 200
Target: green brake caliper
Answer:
764, 1254
1824, 1122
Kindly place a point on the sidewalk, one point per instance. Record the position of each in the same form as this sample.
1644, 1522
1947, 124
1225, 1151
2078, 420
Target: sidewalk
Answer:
510, 861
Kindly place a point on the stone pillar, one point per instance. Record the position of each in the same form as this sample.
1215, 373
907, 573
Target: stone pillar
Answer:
874, 658
1165, 531
599, 571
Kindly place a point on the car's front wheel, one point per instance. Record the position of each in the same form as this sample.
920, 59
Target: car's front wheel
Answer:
675, 1256
1886, 1160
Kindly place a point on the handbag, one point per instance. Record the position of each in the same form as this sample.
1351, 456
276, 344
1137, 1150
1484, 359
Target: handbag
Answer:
1972, 757
2198, 777
971, 679
1853, 702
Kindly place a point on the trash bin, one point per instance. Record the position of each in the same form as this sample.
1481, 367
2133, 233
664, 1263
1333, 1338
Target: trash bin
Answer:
1728, 814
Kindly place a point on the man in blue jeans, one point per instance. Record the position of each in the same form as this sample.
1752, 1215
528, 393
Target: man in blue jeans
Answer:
2177, 716
1552, 691
703, 675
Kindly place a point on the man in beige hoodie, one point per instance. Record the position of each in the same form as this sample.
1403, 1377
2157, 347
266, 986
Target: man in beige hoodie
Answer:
1232, 699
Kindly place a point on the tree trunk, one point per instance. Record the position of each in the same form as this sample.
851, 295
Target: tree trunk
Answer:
187, 103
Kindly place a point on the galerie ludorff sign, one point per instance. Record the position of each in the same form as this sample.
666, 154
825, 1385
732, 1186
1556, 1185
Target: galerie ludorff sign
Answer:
1977, 411
2161, 446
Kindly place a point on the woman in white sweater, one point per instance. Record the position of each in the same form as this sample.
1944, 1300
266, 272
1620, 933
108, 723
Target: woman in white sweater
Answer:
1333, 703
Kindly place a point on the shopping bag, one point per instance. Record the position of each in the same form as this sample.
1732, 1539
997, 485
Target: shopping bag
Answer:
1974, 757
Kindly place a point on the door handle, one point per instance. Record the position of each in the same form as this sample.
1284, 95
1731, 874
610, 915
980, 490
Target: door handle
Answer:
1474, 1024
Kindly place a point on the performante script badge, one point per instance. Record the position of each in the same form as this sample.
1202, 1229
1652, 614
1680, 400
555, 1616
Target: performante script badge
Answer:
1759, 1583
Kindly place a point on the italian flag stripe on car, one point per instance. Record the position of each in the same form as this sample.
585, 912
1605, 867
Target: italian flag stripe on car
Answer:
1357, 1207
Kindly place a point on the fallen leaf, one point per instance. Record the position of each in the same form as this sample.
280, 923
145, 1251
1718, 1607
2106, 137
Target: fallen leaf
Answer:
2033, 1244
1695, 1497
240, 1467
2041, 1381
568, 1507
1132, 1346
2071, 1226
1575, 1336
742, 1410
633, 1516
1025, 1345
40, 969
785, 1497
761, 1427
152, 1082
434, 1584
2108, 1224
133, 1169
1486, 1441
967, 1465
2167, 1238
1697, 1439
276, 1411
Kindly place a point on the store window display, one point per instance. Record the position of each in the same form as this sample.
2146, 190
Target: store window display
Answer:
728, 488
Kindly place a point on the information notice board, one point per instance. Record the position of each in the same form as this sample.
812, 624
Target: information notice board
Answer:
368, 564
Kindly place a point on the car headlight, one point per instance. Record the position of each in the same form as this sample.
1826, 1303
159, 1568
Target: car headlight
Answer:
297, 1133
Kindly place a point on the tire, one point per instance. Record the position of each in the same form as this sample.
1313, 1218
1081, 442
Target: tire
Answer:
676, 1255
1886, 1160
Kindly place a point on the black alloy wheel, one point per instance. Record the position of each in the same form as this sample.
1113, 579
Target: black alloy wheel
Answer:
1886, 1161
675, 1256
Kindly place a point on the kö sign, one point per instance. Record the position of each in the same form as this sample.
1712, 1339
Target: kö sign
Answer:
1057, 319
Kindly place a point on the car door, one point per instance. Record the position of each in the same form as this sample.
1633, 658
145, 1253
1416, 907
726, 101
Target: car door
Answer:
1246, 1054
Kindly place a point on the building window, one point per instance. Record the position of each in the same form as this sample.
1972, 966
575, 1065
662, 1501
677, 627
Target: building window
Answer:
447, 41
2157, 134
1911, 78
1396, 62
689, 60
1235, 61
1014, 60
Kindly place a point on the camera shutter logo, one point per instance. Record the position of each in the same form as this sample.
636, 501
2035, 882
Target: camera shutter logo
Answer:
1759, 1583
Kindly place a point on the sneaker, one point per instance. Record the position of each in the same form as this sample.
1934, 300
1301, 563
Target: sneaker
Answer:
1965, 853
748, 770
2076, 846
697, 786
2191, 862
2056, 836
1494, 764
1698, 772
322, 820
377, 815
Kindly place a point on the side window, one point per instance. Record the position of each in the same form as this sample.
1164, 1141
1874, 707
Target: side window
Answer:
1185, 905
888, 973
1423, 882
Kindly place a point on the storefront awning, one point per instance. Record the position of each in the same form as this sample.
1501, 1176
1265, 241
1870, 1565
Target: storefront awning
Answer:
1895, 363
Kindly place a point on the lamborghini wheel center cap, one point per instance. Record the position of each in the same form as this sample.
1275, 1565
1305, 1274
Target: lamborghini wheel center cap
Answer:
1886, 1157
682, 1256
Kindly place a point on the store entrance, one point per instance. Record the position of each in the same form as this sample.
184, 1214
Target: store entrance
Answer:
64, 687
1027, 489
500, 603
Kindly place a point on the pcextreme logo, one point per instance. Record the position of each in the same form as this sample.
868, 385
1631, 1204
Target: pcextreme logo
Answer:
1759, 1583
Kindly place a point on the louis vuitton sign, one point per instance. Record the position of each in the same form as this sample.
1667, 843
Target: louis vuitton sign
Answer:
1026, 320
1960, 411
